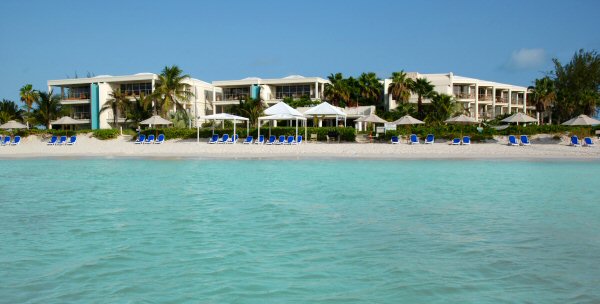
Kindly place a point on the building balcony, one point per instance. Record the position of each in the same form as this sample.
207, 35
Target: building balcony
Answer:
501, 100
464, 95
484, 97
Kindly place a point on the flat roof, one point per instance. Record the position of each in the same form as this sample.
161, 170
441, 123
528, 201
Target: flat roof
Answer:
104, 78
255, 80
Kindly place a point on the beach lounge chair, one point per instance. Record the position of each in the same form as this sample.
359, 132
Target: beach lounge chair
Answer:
429, 139
512, 140
588, 142
160, 139
6, 140
575, 141
290, 140
232, 139
414, 140
72, 140
150, 139
271, 140
223, 139
52, 141
281, 140
248, 140
395, 140
456, 141
466, 140
16, 141
214, 139
140, 139
525, 140
62, 140
299, 141
260, 140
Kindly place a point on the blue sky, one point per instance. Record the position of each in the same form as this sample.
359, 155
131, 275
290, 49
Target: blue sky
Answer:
505, 41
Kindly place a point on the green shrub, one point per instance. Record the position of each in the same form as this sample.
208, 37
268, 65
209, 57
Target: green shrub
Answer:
104, 134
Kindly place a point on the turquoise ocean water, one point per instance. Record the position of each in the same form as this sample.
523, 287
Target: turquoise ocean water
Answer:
356, 231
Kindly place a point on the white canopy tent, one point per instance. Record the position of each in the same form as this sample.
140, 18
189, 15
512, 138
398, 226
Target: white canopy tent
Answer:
276, 117
223, 116
282, 108
326, 109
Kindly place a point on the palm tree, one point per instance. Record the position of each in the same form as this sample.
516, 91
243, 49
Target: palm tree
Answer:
28, 96
9, 110
337, 91
117, 102
250, 108
442, 107
171, 91
424, 89
370, 88
400, 86
543, 95
48, 108
138, 109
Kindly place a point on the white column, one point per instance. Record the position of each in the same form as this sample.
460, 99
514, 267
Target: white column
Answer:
493, 102
214, 108
476, 102
316, 89
509, 101
525, 102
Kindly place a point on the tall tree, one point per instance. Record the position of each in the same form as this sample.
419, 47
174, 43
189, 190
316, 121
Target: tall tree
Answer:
28, 96
171, 90
441, 108
117, 103
400, 87
250, 108
337, 92
9, 110
48, 108
370, 88
424, 89
543, 95
138, 109
577, 85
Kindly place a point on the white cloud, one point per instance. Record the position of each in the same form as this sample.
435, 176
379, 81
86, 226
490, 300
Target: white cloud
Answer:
527, 59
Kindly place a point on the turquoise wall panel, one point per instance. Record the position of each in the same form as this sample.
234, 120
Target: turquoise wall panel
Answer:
95, 104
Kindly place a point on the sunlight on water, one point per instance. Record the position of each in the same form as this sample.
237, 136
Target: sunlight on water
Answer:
306, 231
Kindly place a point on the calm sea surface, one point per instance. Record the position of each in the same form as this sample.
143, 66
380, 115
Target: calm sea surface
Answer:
177, 231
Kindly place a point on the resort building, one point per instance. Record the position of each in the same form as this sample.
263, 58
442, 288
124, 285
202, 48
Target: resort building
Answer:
87, 96
483, 99
270, 91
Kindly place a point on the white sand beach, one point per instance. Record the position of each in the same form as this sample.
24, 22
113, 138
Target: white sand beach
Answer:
542, 148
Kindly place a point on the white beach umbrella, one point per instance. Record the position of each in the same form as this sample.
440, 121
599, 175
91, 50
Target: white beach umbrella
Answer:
66, 120
326, 109
462, 119
282, 108
154, 121
519, 117
581, 120
407, 120
12, 124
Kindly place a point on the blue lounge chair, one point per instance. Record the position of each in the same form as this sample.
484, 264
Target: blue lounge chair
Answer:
575, 141
588, 142
281, 140
466, 140
214, 139
52, 141
456, 141
150, 139
414, 140
525, 140
512, 140
429, 139
160, 139
290, 140
72, 140
223, 139
6, 140
16, 141
62, 140
260, 140
140, 139
395, 140
299, 141
271, 140
248, 140
232, 139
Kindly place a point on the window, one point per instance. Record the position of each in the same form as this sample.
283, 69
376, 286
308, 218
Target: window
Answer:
77, 93
293, 91
236, 93
135, 89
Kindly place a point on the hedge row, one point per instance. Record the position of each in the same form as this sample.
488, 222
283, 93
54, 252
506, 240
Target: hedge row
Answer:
346, 134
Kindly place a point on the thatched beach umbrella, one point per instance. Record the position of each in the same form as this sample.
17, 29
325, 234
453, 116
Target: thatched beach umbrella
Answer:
462, 119
12, 124
519, 117
155, 120
581, 120
66, 120
407, 120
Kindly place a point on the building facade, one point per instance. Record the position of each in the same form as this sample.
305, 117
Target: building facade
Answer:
87, 96
483, 99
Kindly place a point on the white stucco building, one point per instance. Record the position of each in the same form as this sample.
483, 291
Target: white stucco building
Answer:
87, 96
484, 99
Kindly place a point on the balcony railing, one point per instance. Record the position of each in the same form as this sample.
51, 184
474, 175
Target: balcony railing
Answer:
464, 95
76, 96
81, 115
232, 97
292, 95
501, 99
137, 93
483, 97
